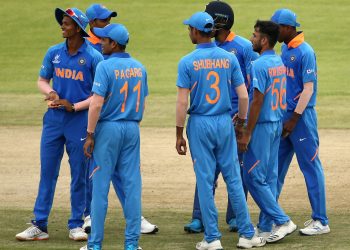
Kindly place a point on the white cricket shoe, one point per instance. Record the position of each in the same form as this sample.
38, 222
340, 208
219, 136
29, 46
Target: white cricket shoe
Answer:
87, 224
84, 248
246, 243
147, 227
314, 227
32, 233
204, 245
77, 234
263, 235
281, 231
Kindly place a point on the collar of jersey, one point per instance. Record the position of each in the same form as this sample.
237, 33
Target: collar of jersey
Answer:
92, 38
268, 52
205, 45
296, 41
230, 37
120, 55
81, 49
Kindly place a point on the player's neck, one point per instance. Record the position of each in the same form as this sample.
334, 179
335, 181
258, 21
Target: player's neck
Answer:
291, 37
265, 49
203, 40
74, 43
222, 36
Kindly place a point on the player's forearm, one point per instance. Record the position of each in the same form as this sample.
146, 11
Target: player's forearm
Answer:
181, 109
255, 109
44, 85
82, 105
243, 101
94, 112
304, 98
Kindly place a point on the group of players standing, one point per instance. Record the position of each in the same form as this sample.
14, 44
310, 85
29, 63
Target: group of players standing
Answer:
250, 110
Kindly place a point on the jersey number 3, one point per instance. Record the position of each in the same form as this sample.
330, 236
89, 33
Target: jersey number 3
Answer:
124, 90
214, 86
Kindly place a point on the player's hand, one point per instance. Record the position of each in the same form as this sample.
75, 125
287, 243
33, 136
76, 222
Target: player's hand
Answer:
290, 124
181, 146
239, 126
89, 145
63, 103
244, 141
52, 96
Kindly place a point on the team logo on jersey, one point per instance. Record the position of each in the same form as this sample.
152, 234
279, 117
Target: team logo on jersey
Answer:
234, 51
56, 59
292, 58
81, 61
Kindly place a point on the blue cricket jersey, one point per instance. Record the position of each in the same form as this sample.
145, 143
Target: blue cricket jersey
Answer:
269, 78
208, 72
243, 50
72, 75
300, 61
122, 81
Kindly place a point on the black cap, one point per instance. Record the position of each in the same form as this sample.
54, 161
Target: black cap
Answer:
222, 14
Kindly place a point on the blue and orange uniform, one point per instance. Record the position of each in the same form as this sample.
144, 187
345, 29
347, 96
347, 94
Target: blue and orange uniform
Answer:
122, 81
209, 72
72, 77
260, 168
300, 61
242, 49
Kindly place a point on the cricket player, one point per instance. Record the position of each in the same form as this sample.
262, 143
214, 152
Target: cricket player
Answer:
117, 105
71, 66
206, 75
261, 138
223, 16
300, 135
99, 17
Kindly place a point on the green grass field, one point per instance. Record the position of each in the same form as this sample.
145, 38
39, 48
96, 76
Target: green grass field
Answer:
159, 39
171, 235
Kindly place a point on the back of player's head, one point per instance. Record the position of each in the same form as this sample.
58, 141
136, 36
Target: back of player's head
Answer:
269, 29
222, 14
115, 32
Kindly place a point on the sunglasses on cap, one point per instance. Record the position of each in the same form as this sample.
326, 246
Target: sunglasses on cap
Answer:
71, 13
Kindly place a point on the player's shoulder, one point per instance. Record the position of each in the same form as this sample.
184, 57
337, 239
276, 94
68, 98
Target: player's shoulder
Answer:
306, 48
94, 53
243, 42
136, 63
188, 58
56, 47
260, 64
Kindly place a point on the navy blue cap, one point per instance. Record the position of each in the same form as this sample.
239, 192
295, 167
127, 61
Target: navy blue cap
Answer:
98, 11
116, 32
285, 17
201, 21
77, 15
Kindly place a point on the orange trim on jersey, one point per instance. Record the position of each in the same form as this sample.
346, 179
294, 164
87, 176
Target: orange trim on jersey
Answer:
194, 85
268, 89
296, 41
94, 171
230, 37
313, 158
255, 164
93, 39
297, 96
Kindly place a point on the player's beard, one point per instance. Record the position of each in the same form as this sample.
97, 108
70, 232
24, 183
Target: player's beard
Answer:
257, 47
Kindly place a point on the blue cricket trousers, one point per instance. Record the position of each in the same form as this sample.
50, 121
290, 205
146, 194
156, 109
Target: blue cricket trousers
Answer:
60, 129
260, 173
117, 155
213, 145
304, 142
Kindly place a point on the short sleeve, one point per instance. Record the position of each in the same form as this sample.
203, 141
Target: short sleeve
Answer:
183, 76
308, 67
97, 57
258, 78
249, 57
100, 86
236, 76
47, 68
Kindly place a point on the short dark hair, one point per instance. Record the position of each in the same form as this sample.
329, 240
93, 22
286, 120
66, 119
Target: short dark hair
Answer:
121, 47
205, 34
269, 29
